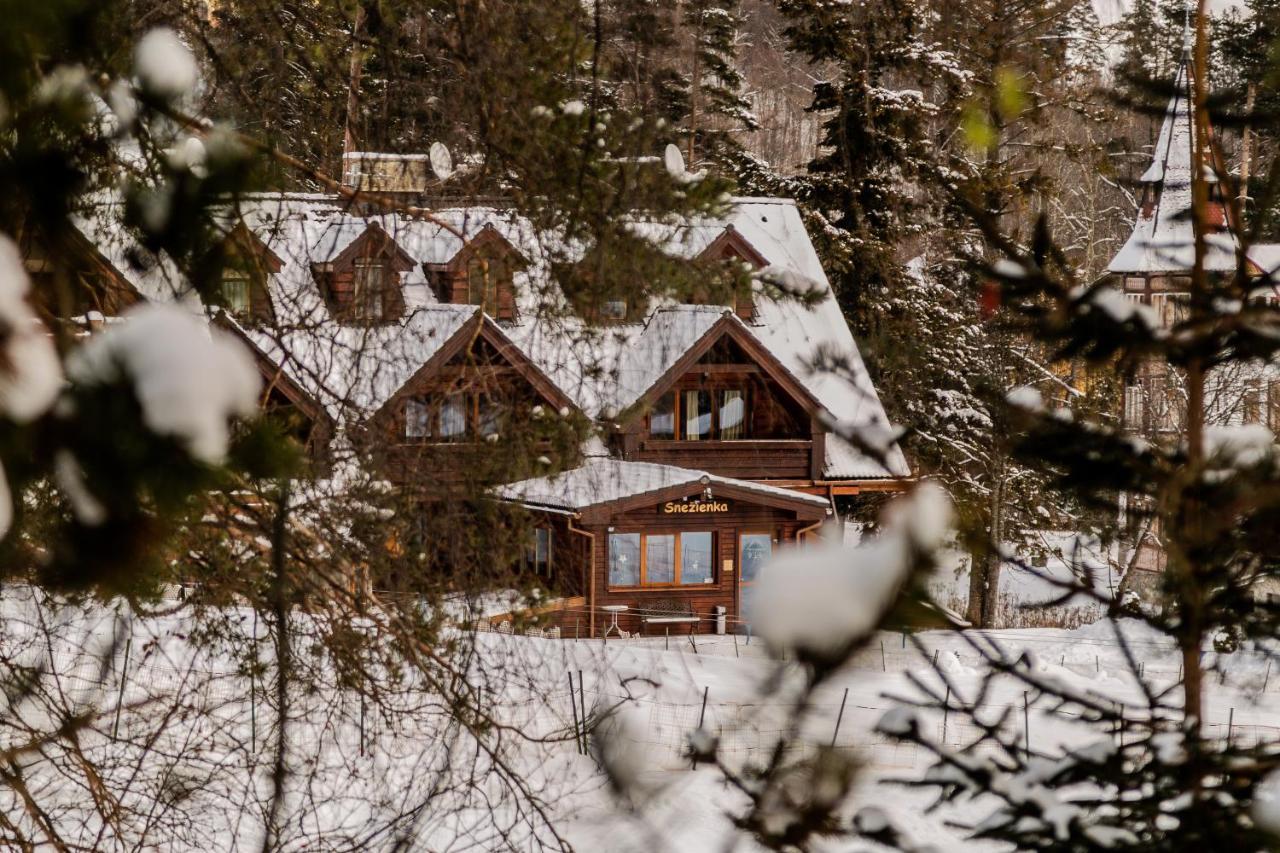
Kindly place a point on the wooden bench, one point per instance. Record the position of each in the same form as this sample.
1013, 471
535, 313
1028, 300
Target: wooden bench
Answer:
668, 612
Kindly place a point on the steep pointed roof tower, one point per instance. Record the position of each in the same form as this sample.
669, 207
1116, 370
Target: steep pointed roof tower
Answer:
1162, 241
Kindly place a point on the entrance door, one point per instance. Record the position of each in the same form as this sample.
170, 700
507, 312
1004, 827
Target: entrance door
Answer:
754, 549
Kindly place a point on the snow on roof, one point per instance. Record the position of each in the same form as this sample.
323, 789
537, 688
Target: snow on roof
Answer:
1163, 239
349, 369
604, 480
352, 371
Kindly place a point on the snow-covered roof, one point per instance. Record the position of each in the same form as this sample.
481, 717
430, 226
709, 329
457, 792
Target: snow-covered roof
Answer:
1163, 238
601, 481
352, 371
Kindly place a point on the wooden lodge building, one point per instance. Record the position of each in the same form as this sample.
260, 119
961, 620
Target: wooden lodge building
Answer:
685, 442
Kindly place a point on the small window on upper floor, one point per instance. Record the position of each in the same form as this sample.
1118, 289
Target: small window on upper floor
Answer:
700, 415
237, 292
1135, 282
369, 284
613, 309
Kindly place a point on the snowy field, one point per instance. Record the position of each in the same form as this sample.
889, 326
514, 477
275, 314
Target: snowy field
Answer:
195, 733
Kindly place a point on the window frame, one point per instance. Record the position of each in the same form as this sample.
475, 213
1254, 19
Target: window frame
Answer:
475, 425
363, 289
642, 572
714, 433
240, 278
544, 568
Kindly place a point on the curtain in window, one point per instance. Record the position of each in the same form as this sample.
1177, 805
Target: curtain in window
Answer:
417, 419
366, 290
660, 559
697, 415
695, 558
662, 420
235, 292
453, 416
490, 420
733, 415
624, 559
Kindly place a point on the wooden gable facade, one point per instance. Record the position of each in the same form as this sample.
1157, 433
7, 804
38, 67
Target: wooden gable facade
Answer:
363, 284
482, 273
73, 279
476, 412
247, 264
728, 406
731, 247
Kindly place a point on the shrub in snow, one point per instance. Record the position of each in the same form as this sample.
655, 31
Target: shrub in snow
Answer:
163, 64
190, 380
821, 600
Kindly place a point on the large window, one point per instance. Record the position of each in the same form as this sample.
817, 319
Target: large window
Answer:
661, 559
452, 417
700, 415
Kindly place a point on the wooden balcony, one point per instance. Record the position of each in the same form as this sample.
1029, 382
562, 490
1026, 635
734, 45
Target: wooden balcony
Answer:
746, 459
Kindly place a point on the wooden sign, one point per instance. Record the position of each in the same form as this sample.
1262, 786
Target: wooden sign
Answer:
699, 507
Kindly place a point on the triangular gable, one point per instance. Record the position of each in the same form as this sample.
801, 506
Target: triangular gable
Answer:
36, 257
489, 237
801, 504
373, 241
479, 327
274, 374
242, 240
730, 240
729, 326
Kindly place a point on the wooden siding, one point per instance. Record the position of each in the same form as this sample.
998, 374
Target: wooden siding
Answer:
764, 459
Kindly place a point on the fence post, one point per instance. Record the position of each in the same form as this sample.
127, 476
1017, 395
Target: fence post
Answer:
577, 629
1026, 721
840, 716
702, 716
904, 639
668, 640
884, 666
735, 644
124, 674
582, 698
573, 707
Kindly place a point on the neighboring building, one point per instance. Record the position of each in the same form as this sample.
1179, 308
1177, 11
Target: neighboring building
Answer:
1154, 268
703, 434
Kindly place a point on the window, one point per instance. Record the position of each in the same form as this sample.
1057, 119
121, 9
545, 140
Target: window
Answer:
613, 309
661, 559
1171, 308
732, 415
755, 551
1133, 406
485, 278
453, 417
1135, 283
235, 292
624, 559
697, 415
489, 416
695, 558
368, 288
700, 415
538, 552
662, 420
417, 419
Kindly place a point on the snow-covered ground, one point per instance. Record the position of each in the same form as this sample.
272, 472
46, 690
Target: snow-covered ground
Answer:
193, 722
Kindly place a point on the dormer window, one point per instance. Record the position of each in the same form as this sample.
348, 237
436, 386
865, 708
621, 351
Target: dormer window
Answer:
731, 248
614, 310
236, 298
481, 273
369, 286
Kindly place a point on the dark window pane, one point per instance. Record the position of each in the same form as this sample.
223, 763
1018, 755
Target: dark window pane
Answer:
695, 558
660, 559
697, 415
624, 559
490, 416
417, 419
733, 415
662, 420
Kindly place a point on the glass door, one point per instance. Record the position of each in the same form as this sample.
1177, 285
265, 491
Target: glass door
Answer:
754, 550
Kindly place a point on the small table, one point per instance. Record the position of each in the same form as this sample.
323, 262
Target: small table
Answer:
613, 610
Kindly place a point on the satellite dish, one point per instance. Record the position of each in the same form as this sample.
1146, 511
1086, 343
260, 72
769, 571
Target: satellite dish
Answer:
441, 161
674, 161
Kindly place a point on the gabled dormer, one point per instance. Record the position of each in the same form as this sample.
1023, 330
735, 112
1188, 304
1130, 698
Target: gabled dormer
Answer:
730, 405
731, 248
73, 278
362, 284
247, 263
481, 273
